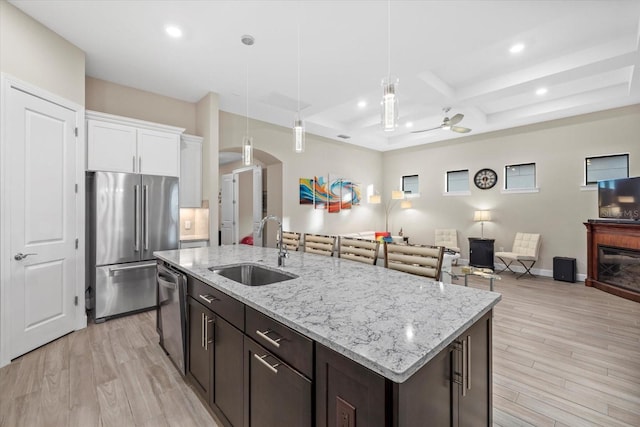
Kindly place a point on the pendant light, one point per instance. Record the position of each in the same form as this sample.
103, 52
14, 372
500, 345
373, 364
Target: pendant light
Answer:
298, 124
389, 104
247, 141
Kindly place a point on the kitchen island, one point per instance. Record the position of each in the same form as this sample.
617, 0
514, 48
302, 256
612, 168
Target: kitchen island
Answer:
399, 345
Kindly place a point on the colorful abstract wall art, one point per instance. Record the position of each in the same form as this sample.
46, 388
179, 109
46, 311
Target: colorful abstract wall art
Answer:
334, 194
350, 194
306, 191
320, 192
331, 193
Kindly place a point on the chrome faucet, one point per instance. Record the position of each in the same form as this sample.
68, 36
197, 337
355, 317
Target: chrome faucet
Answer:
282, 249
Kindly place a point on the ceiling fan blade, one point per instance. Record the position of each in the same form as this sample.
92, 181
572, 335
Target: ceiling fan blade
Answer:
456, 119
426, 130
460, 129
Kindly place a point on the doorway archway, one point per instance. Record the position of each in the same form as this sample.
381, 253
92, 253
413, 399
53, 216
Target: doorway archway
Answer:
270, 200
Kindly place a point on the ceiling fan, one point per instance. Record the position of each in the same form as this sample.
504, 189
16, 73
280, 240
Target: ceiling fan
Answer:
449, 123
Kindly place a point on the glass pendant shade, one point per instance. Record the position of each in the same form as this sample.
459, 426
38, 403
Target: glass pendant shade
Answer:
247, 151
389, 104
298, 136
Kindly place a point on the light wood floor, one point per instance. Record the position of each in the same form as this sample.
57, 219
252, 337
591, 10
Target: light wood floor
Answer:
110, 374
564, 355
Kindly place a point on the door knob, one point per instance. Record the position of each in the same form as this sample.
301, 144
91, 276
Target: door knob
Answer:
20, 256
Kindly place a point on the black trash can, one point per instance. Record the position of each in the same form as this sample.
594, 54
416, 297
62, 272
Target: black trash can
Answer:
564, 269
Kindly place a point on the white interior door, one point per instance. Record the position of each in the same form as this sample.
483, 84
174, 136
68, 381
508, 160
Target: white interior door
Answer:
227, 215
42, 205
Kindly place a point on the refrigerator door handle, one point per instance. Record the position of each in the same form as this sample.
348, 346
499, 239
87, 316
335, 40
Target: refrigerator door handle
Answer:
146, 217
136, 220
113, 270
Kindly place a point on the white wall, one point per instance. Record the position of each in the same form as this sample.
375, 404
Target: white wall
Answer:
321, 157
113, 98
207, 126
31, 52
557, 211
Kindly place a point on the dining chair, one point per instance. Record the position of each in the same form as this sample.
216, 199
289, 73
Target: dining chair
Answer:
319, 244
291, 240
415, 259
361, 250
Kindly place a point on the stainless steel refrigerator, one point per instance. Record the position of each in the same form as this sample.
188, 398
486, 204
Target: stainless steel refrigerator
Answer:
129, 216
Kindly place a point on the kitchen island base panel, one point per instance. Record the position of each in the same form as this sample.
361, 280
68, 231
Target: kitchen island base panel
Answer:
452, 389
347, 393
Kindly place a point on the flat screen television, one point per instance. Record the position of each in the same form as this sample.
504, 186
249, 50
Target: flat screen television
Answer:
619, 198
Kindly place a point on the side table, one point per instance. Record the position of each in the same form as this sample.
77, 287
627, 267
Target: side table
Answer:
481, 252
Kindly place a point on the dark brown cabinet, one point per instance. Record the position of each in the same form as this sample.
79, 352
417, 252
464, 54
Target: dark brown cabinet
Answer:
228, 371
453, 389
481, 252
347, 394
201, 354
253, 371
276, 395
425, 399
214, 362
472, 375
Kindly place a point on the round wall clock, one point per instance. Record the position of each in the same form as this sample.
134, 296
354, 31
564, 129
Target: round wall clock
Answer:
485, 179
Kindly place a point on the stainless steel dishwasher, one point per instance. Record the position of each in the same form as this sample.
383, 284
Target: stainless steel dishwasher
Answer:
172, 313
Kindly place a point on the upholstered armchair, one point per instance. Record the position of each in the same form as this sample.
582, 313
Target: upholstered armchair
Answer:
526, 247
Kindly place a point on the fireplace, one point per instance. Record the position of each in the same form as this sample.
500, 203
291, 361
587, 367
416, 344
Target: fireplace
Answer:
619, 267
613, 257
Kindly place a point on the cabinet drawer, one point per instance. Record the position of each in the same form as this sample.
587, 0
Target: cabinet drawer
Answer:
220, 303
284, 342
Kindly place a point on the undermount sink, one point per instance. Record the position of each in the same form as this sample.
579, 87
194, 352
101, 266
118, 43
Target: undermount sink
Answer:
252, 274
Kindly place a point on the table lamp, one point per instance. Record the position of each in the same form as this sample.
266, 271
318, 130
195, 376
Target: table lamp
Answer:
482, 216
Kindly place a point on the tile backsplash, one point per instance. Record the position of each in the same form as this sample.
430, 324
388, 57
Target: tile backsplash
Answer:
194, 223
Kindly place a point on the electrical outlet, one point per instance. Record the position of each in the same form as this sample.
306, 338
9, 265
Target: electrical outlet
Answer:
501, 249
187, 225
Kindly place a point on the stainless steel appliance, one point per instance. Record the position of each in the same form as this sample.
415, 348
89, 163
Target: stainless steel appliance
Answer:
129, 216
172, 313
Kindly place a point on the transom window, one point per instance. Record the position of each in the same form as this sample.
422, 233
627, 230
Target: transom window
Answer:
520, 177
410, 184
599, 168
457, 181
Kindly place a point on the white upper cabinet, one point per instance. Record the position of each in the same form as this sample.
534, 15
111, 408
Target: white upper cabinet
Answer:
111, 147
190, 171
158, 153
121, 144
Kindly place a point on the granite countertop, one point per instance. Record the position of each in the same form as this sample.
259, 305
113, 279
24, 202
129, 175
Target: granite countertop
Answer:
388, 321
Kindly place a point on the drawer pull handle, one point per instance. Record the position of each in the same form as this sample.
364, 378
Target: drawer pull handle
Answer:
468, 362
263, 335
202, 329
206, 339
208, 298
272, 368
465, 373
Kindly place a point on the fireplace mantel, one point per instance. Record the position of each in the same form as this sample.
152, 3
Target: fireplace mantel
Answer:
613, 233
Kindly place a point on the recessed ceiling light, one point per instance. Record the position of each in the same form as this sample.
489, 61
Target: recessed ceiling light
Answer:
362, 104
517, 48
541, 91
173, 31
409, 124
